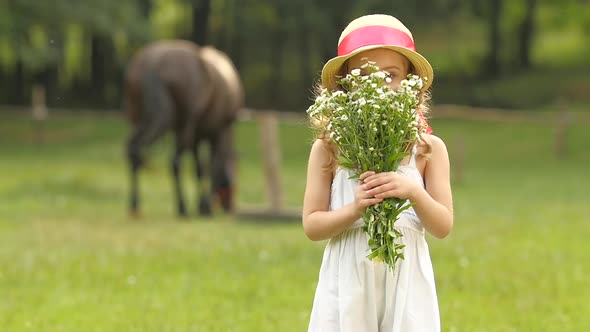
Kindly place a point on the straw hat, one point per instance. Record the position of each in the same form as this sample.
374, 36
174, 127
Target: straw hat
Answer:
376, 31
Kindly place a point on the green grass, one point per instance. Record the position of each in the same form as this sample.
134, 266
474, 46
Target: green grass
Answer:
71, 260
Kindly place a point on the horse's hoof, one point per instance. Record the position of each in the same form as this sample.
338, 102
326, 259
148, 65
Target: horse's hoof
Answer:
227, 207
205, 208
225, 199
182, 213
205, 212
134, 214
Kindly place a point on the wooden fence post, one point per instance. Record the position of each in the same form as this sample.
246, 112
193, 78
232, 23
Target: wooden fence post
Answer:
39, 113
271, 153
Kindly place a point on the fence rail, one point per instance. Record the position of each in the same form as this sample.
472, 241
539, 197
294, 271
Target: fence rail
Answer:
444, 111
450, 111
268, 125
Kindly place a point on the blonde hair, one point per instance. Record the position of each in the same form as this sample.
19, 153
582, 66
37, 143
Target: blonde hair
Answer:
320, 133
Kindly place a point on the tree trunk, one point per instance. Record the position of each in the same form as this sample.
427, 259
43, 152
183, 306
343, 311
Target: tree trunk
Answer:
19, 83
335, 16
304, 47
225, 34
145, 8
201, 10
279, 36
525, 35
6, 86
492, 65
97, 67
47, 78
329, 44
276, 63
102, 67
237, 36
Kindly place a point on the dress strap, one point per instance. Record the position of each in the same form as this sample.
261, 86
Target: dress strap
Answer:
412, 162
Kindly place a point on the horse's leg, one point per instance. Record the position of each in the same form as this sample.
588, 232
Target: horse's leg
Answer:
155, 120
176, 170
143, 135
201, 171
134, 157
223, 168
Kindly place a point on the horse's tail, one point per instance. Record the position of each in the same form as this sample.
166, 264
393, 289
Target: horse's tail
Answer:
155, 117
157, 114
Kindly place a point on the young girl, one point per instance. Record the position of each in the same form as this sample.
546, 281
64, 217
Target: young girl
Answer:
353, 293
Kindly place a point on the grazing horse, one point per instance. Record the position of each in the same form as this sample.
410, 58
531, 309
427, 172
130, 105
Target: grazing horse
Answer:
196, 93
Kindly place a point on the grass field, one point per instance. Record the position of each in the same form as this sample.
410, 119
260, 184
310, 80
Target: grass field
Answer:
71, 260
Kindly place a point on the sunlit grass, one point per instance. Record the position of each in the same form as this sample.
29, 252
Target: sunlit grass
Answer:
71, 259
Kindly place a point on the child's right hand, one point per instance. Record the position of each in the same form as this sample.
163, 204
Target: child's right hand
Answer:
362, 199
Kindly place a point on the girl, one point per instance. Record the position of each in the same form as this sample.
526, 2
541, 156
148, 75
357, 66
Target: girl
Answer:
353, 293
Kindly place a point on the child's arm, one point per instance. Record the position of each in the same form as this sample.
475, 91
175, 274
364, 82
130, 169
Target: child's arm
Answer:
318, 222
433, 204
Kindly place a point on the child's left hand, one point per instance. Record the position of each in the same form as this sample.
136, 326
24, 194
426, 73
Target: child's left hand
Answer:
390, 184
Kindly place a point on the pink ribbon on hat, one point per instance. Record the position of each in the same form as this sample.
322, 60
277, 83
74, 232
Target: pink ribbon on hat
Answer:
374, 35
379, 35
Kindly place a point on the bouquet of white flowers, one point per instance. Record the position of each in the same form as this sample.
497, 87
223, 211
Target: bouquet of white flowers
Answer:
373, 128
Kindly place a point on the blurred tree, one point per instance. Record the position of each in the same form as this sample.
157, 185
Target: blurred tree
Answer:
525, 35
200, 19
103, 64
278, 39
235, 46
79, 48
332, 19
492, 65
36, 31
171, 19
145, 8
303, 37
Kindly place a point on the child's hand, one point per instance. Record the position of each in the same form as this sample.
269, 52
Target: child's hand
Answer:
362, 199
389, 184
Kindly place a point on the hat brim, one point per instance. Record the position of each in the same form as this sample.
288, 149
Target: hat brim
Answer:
421, 66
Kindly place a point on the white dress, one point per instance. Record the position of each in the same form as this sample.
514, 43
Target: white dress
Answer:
355, 294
